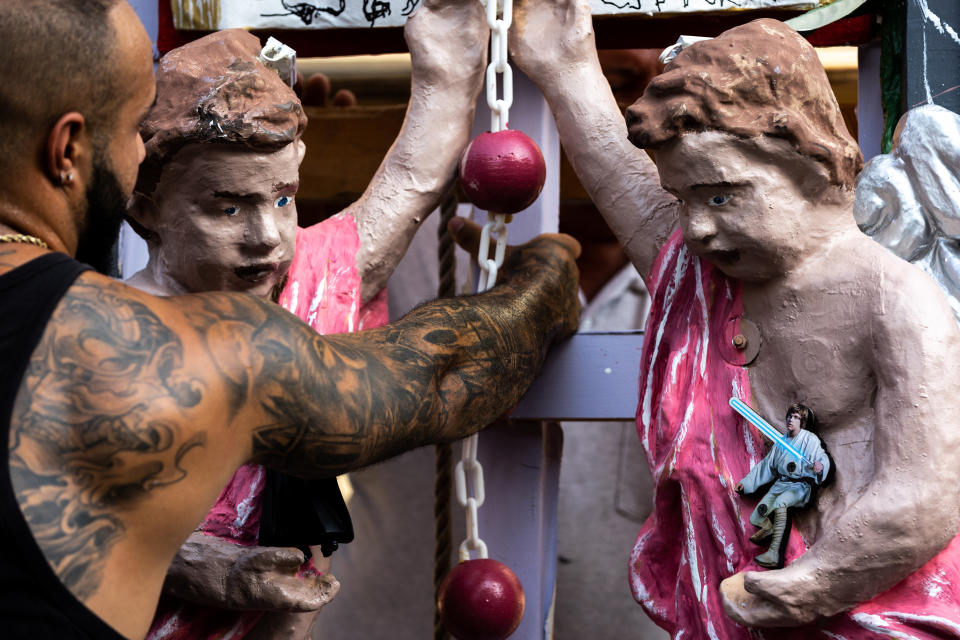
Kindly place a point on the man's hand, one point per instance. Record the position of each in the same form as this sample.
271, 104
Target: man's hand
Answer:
214, 572
520, 263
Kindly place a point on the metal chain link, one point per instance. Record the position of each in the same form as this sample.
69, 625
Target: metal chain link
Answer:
499, 107
497, 226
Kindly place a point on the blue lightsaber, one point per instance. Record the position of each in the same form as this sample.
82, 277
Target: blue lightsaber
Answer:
765, 428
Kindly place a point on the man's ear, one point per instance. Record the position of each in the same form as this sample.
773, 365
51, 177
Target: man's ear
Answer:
142, 216
66, 149
301, 151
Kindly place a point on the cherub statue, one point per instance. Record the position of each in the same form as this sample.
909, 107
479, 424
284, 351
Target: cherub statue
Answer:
746, 219
794, 482
215, 201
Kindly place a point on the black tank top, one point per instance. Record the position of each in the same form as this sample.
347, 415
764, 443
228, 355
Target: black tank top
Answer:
34, 604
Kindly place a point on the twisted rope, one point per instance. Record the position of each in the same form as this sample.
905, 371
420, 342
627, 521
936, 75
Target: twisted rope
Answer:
443, 465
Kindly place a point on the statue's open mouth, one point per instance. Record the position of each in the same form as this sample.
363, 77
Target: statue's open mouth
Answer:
724, 257
256, 272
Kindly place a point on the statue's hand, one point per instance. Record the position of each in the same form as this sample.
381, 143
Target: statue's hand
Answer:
266, 578
215, 572
448, 39
769, 599
549, 35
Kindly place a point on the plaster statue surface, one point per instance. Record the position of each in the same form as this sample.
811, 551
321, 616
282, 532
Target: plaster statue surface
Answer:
216, 203
909, 199
747, 217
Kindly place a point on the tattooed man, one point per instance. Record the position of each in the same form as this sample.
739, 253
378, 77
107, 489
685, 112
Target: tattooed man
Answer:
127, 413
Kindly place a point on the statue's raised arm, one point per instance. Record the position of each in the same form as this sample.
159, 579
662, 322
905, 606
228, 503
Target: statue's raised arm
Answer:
553, 43
448, 52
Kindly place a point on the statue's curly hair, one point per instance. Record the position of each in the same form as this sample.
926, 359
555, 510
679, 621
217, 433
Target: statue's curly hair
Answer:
216, 90
759, 79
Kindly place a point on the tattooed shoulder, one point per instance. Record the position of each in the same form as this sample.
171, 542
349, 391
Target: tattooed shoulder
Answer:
90, 430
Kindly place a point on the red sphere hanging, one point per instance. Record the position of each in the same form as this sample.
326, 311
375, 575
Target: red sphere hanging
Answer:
502, 172
481, 600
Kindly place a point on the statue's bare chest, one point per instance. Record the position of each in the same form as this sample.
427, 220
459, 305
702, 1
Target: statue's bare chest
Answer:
815, 349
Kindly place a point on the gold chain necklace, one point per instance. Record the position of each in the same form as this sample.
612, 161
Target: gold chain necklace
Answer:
23, 239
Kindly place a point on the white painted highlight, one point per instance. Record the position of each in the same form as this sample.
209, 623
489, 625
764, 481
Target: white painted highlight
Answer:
669, 294
691, 549
245, 507
234, 630
711, 631
926, 79
351, 316
318, 296
877, 624
172, 625
943, 28
291, 305
936, 621
677, 358
934, 19
934, 584
702, 346
640, 592
722, 539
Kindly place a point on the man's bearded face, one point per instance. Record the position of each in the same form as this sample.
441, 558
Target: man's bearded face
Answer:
106, 208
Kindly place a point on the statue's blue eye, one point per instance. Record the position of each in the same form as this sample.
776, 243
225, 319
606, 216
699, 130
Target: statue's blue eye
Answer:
282, 201
232, 211
719, 201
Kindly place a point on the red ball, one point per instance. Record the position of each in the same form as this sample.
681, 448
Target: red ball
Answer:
502, 172
481, 600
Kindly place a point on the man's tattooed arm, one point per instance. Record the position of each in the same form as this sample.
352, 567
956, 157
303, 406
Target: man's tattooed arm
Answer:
328, 404
126, 394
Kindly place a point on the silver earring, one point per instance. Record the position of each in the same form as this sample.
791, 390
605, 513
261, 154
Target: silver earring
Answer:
66, 178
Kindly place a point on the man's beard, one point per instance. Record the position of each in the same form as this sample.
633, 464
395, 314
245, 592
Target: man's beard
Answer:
106, 208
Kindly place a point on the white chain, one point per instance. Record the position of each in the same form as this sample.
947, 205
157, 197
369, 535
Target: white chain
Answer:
499, 114
499, 108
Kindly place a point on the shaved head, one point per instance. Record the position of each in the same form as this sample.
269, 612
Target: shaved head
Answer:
58, 58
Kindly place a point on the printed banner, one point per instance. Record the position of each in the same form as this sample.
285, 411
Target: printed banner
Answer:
210, 15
